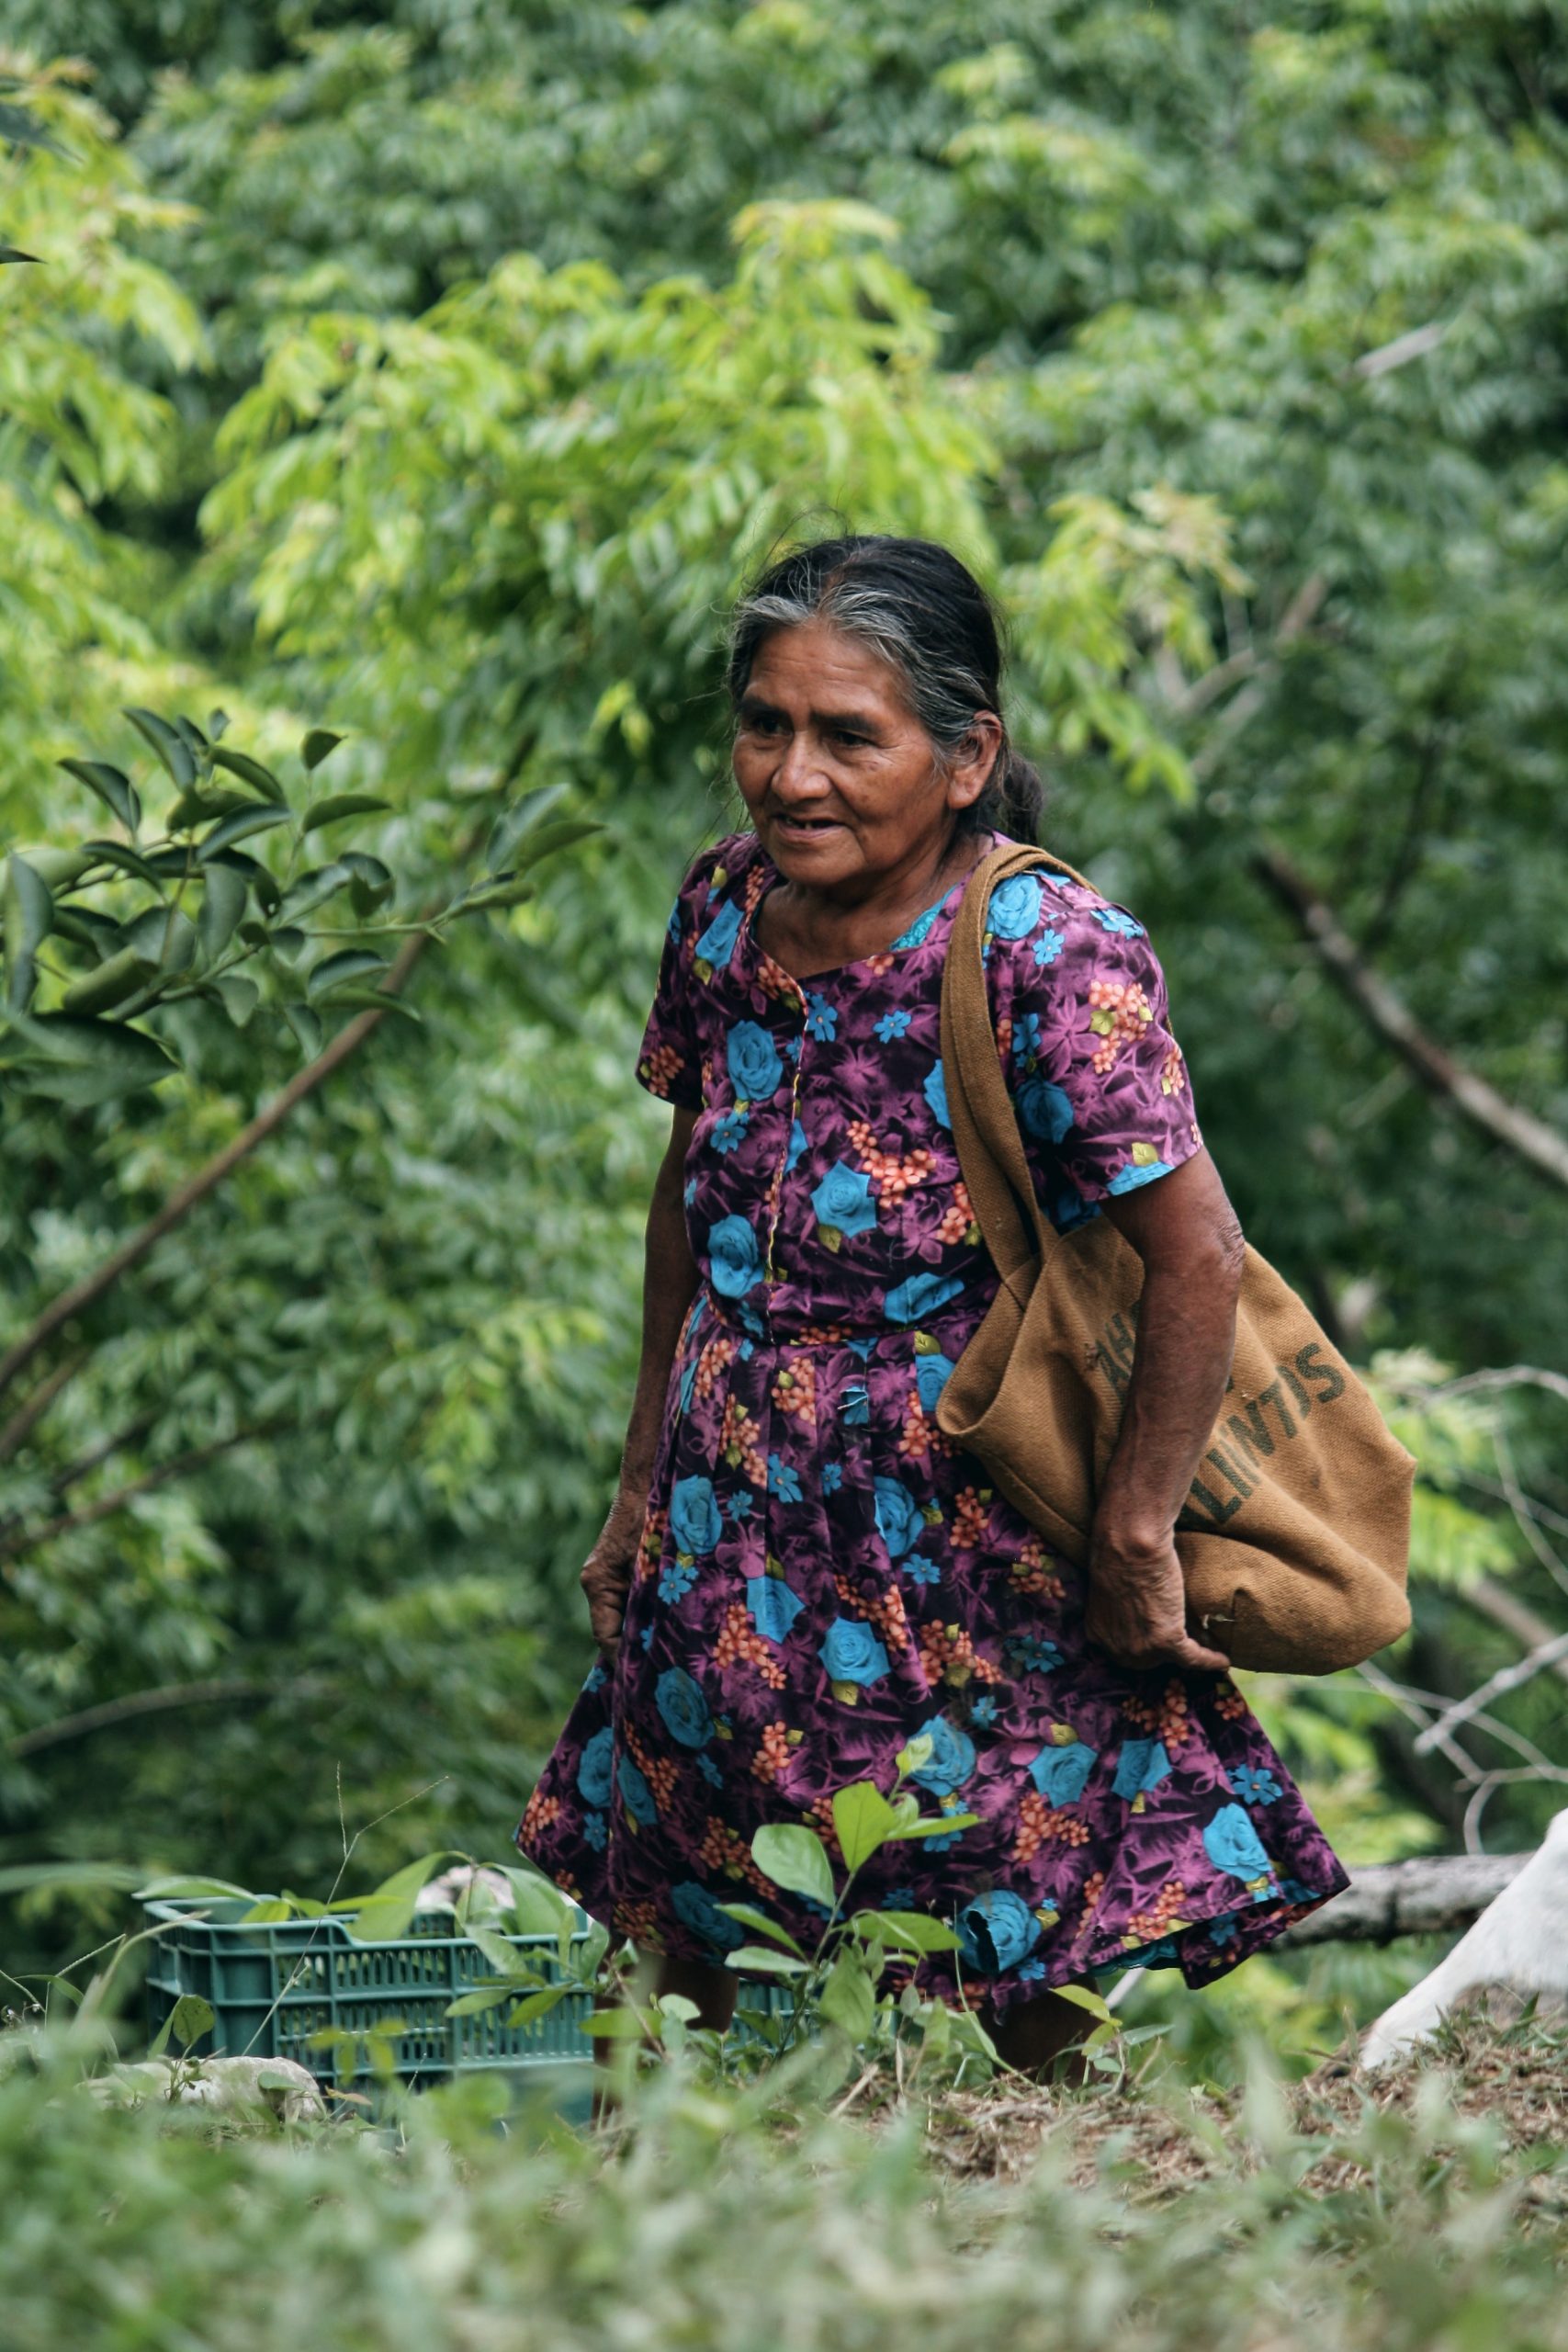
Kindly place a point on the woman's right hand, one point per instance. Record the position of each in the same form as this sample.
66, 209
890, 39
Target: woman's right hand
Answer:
607, 1571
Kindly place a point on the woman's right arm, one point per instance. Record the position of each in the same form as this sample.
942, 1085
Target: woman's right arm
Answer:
670, 1285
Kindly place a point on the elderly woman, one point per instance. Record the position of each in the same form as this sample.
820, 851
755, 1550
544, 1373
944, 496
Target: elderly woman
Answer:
800, 1574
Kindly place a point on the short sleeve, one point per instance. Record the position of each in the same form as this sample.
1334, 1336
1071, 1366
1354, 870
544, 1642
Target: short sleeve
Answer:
1099, 1080
669, 1058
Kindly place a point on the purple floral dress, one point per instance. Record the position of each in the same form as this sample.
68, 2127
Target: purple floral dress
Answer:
822, 1575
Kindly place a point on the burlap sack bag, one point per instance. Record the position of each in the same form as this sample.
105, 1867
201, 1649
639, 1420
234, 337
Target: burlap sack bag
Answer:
1294, 1536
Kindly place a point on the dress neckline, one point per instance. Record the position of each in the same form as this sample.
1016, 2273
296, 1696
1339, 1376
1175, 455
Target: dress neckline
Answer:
914, 934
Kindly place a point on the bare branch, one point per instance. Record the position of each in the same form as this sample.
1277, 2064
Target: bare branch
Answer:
1297, 617
1553, 1652
1542, 1147
1401, 351
1422, 1898
1512, 1375
1514, 1615
164, 1700
178, 1207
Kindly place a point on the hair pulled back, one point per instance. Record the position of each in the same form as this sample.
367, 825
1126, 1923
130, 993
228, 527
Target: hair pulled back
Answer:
923, 613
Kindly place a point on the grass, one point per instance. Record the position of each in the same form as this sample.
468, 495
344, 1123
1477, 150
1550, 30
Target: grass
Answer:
1426, 2207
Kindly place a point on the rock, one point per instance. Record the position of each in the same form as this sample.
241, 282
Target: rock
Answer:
252, 2087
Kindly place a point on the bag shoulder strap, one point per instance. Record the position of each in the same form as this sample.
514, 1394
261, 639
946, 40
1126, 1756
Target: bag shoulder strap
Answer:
1016, 1230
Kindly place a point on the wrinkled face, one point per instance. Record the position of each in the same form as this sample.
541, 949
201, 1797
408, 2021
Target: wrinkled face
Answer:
839, 778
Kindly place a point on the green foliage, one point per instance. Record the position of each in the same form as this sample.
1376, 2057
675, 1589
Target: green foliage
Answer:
429, 374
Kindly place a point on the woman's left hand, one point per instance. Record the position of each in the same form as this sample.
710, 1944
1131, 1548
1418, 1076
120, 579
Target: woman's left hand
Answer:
1137, 1611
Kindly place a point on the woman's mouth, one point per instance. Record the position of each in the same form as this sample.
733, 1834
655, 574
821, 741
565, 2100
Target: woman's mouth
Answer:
805, 828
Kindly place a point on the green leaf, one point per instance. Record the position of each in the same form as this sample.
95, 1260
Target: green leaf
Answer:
196, 807
249, 771
167, 1889
1083, 1998
84, 1062
339, 805
848, 1999
124, 861
236, 827
536, 846
268, 1911
498, 1951
484, 1996
191, 2018
23, 1878
534, 2004
372, 884
910, 1931
762, 1960
513, 822
14, 253
313, 888
240, 997
614, 2025
30, 919
499, 894
382, 1917
538, 1906
918, 1751
169, 940
216, 725
319, 744
168, 744
862, 1820
337, 971
937, 1826
307, 1028
113, 787
120, 977
223, 899
21, 128
794, 1858
747, 1915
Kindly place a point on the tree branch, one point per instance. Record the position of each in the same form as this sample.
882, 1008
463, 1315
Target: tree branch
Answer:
178, 1207
1514, 1615
28, 1539
1552, 1652
26, 1416
1424, 1897
164, 1700
1542, 1147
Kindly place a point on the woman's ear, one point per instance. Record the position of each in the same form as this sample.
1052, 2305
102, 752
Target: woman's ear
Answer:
970, 767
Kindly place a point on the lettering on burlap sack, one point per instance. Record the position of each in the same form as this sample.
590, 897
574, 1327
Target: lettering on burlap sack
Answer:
1248, 1433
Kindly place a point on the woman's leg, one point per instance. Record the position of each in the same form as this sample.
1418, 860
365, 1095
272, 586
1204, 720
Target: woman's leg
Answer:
712, 1989
1035, 2036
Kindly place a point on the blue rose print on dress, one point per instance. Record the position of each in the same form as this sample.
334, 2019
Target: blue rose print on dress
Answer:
933, 1373
1252, 1786
1142, 1765
595, 1773
855, 1405
1044, 1111
952, 1759
1015, 907
997, 1930
752, 1060
1061, 1774
935, 1092
1233, 1846
635, 1794
922, 1295
842, 1200
695, 1521
735, 1262
773, 1606
919, 930
695, 1908
800, 1141
679, 1700
851, 1653
716, 945
898, 1520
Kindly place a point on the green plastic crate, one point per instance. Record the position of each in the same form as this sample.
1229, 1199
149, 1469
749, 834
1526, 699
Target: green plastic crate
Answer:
272, 1985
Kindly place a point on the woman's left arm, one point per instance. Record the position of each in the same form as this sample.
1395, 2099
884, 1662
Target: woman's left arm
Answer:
1184, 1229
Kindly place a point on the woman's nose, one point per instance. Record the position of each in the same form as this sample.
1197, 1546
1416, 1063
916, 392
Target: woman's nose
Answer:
799, 775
